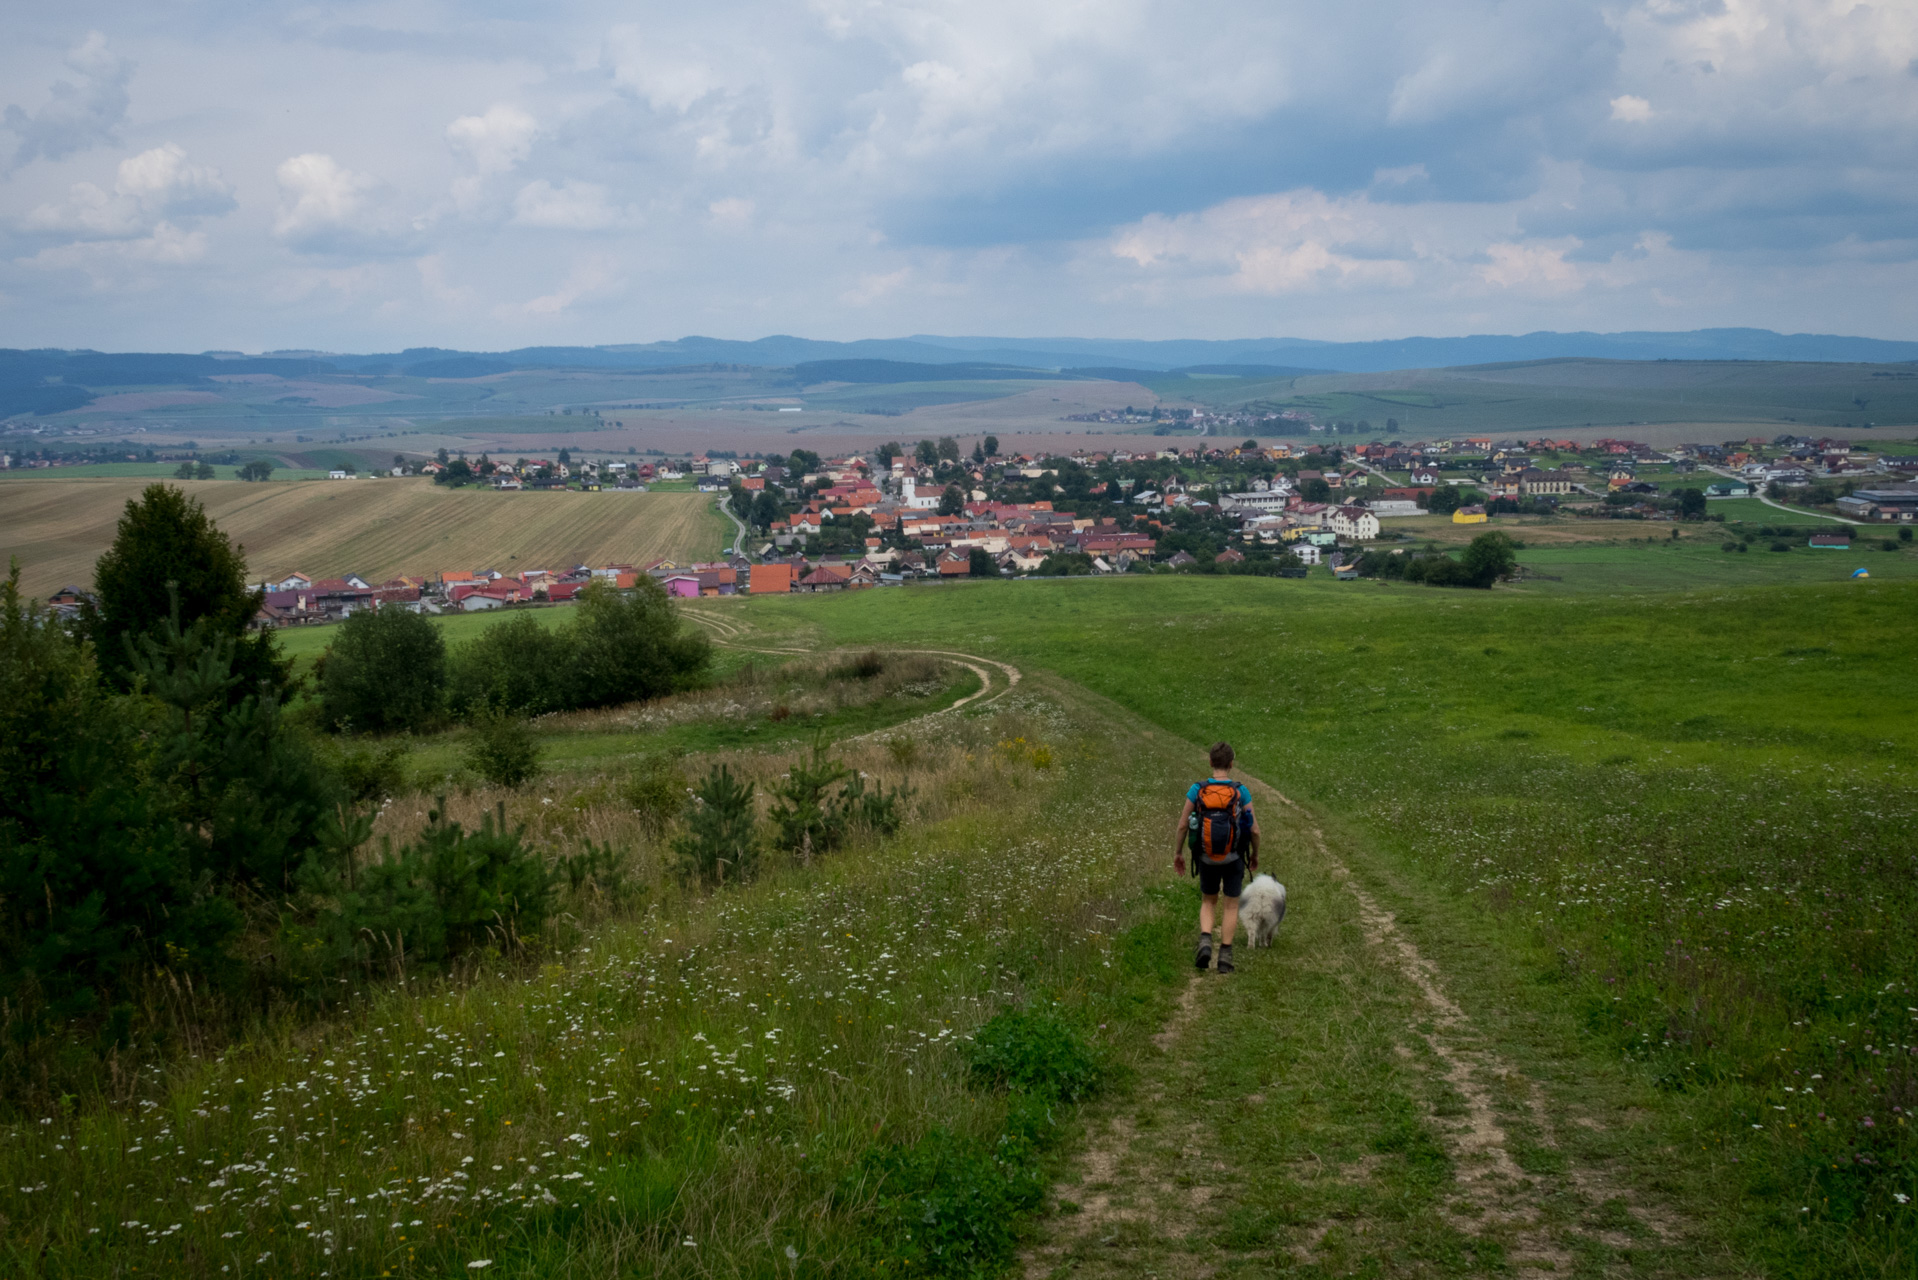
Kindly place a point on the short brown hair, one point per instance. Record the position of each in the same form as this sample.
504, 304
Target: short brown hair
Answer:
1221, 755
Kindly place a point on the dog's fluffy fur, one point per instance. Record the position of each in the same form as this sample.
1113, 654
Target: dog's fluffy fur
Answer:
1261, 907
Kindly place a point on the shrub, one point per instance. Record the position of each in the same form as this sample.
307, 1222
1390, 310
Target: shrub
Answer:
385, 672
598, 868
501, 749
370, 772
627, 647
945, 1206
1781, 546
438, 897
880, 811
719, 829
656, 790
864, 667
1032, 1052
617, 647
508, 667
806, 817
903, 750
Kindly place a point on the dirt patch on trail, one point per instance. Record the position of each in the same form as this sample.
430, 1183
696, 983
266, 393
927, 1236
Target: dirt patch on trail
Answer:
1182, 1016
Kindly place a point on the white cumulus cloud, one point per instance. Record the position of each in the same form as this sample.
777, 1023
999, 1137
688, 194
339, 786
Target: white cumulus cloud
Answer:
328, 208
156, 185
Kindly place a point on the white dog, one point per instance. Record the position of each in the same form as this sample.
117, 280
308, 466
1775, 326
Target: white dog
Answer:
1261, 907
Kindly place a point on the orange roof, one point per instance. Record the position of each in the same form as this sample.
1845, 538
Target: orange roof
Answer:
771, 579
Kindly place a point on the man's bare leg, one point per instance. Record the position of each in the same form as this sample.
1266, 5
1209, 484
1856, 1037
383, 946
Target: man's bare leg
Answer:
1231, 919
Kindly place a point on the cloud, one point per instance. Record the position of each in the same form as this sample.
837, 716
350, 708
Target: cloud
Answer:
571, 206
1152, 166
1534, 266
1631, 108
156, 185
1297, 242
125, 263
733, 212
328, 208
590, 278
163, 181
79, 113
496, 141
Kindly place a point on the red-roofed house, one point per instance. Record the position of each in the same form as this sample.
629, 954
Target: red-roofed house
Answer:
770, 579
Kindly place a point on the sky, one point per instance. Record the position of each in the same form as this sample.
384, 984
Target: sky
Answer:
212, 174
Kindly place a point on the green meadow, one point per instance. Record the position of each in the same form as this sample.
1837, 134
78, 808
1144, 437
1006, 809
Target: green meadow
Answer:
1600, 960
1672, 827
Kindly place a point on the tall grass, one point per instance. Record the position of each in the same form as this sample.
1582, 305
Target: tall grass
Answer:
687, 1088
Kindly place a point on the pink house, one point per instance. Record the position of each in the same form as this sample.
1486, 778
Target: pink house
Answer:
682, 584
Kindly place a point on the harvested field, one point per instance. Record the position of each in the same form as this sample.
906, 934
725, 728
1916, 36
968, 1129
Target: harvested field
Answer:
378, 528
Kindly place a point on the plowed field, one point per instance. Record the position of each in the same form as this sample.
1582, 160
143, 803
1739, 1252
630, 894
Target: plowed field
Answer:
377, 528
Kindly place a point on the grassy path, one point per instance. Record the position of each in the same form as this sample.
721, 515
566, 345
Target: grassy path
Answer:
1333, 1108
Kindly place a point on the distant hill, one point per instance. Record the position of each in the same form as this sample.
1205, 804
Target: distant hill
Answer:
1192, 354
48, 381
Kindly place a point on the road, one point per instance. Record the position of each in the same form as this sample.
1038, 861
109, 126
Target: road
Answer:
1758, 492
739, 539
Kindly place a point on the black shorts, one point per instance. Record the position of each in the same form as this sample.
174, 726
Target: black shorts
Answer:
1229, 875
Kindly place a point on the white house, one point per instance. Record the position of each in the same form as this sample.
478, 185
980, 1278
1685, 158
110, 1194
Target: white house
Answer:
1307, 553
1257, 500
1354, 522
913, 500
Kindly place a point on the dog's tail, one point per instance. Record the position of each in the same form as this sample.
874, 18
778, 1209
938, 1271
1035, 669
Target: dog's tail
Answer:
1280, 917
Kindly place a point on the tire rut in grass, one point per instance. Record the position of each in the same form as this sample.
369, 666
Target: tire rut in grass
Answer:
1496, 1192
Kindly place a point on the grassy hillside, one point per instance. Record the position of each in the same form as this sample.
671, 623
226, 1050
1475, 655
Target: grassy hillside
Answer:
747, 1083
1680, 821
58, 528
1602, 960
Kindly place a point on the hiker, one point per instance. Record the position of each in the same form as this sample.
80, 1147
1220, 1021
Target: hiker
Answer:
1218, 823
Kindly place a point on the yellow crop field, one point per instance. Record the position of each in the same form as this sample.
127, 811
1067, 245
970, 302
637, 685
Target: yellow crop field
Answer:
377, 528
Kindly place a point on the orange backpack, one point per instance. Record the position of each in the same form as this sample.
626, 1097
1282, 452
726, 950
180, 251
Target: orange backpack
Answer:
1214, 827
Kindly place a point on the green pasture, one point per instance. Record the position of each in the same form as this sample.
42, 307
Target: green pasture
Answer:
1698, 561
1680, 820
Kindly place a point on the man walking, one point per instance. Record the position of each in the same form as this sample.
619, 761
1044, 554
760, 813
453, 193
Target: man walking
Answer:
1218, 823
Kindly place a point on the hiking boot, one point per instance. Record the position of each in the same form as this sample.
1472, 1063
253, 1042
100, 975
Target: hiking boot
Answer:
1204, 959
1225, 958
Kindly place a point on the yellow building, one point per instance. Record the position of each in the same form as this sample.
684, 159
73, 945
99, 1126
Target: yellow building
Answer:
1470, 515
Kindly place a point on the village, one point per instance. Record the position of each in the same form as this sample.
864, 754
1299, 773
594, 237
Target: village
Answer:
888, 518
